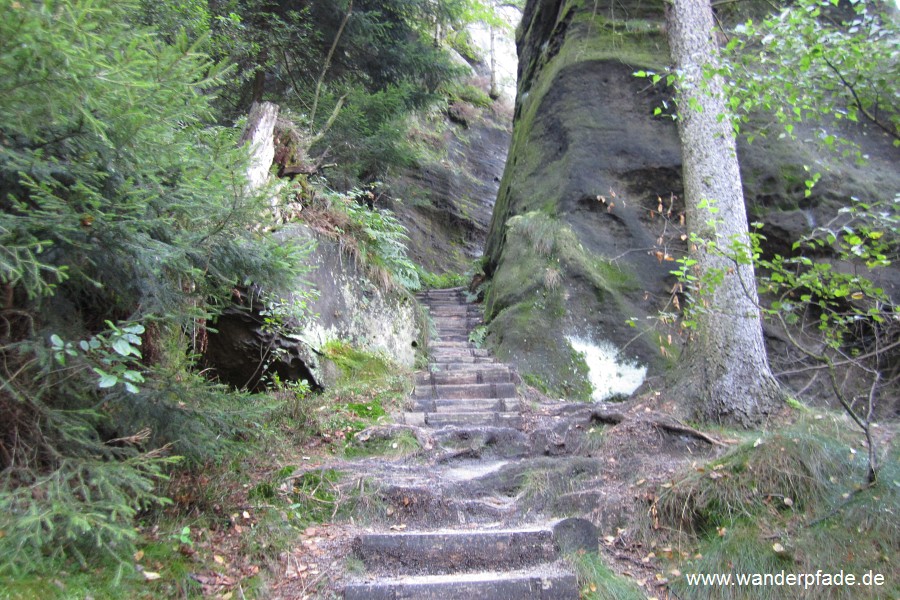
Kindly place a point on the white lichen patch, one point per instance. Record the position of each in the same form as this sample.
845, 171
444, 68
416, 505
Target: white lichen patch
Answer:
609, 374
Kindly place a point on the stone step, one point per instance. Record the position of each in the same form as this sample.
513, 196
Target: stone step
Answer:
473, 419
437, 553
451, 337
533, 584
462, 362
457, 324
448, 353
471, 390
472, 374
444, 344
462, 405
449, 405
460, 322
474, 362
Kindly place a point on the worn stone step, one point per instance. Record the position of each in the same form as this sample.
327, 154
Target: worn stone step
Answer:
457, 325
464, 362
473, 374
531, 585
461, 334
450, 354
462, 405
448, 405
455, 551
451, 337
469, 362
473, 419
472, 390
444, 344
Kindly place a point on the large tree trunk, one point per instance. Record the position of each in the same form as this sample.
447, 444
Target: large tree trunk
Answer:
727, 377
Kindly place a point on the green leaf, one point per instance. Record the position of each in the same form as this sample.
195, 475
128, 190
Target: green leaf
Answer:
121, 346
107, 380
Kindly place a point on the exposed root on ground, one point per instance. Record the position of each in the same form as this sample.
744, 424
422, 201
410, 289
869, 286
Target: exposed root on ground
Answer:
658, 420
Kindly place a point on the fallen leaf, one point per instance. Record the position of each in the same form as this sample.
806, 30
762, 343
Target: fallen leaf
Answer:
218, 559
137, 555
788, 502
778, 548
151, 576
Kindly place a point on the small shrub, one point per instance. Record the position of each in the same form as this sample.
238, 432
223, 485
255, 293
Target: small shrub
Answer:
478, 335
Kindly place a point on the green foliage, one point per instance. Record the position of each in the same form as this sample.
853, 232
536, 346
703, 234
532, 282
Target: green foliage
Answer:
124, 222
369, 388
399, 444
599, 582
315, 495
818, 60
383, 240
80, 506
473, 95
373, 236
806, 465
841, 300
784, 501
477, 335
350, 72
435, 281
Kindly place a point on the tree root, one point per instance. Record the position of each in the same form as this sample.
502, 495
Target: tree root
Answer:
658, 420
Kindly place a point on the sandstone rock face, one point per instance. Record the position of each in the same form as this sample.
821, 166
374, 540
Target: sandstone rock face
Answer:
351, 308
577, 248
569, 248
447, 202
347, 306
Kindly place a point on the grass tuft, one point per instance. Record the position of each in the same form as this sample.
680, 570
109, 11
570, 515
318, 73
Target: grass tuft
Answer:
598, 582
792, 501
785, 471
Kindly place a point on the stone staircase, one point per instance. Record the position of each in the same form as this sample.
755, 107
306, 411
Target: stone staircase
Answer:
464, 385
476, 548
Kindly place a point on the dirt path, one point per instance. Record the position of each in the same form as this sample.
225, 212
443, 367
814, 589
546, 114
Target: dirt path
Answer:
479, 511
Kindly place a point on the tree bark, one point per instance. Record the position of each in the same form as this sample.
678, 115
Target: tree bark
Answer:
726, 376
